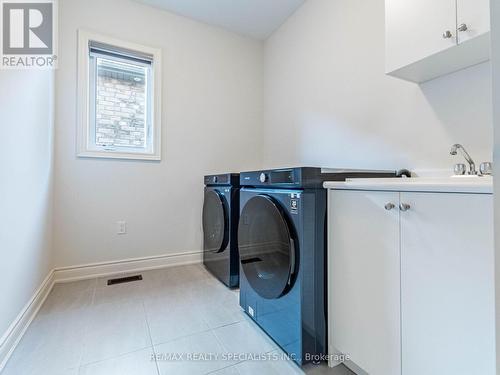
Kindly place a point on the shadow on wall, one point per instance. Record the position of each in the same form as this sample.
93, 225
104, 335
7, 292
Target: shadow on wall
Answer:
341, 143
463, 104
329, 102
411, 128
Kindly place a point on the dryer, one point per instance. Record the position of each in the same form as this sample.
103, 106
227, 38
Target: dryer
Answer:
220, 226
282, 245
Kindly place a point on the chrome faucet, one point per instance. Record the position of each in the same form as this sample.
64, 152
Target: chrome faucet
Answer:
472, 165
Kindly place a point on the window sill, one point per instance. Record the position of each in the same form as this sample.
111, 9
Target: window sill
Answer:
118, 155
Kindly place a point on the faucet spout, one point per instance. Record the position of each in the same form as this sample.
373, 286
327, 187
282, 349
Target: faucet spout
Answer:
465, 154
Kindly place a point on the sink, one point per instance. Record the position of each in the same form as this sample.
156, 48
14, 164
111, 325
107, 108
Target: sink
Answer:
465, 184
469, 176
424, 180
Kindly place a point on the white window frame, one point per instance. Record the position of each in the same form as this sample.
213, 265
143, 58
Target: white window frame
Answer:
87, 148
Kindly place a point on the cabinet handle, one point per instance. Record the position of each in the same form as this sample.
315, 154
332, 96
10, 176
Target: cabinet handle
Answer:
463, 27
447, 34
389, 206
404, 207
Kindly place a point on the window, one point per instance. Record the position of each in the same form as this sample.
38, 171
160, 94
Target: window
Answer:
119, 99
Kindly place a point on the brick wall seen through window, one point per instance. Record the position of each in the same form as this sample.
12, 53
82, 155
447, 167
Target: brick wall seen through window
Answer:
120, 107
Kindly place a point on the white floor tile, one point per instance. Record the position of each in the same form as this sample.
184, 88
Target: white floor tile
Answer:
219, 305
323, 369
127, 292
268, 367
210, 355
68, 296
75, 286
52, 345
183, 276
226, 371
173, 317
102, 329
245, 338
277, 364
115, 329
136, 363
218, 315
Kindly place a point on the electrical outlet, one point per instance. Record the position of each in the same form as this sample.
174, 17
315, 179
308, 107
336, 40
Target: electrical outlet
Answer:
121, 227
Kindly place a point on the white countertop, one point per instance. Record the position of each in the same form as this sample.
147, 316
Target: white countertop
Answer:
455, 184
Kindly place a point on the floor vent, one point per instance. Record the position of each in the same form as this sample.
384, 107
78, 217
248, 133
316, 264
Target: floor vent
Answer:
122, 280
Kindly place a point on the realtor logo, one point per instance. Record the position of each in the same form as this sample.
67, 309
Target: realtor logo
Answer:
28, 34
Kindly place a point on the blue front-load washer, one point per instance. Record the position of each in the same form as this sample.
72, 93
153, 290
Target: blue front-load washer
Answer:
282, 245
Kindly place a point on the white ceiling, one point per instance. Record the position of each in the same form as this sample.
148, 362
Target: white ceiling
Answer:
254, 18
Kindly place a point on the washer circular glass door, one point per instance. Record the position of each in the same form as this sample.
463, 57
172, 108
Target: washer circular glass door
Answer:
215, 222
267, 247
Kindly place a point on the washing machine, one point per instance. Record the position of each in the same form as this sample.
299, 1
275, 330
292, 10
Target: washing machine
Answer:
220, 227
282, 245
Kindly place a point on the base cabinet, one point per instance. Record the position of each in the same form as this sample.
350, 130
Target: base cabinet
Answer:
411, 282
447, 284
364, 272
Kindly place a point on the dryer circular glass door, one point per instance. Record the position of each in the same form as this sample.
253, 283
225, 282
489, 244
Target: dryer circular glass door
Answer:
215, 222
267, 247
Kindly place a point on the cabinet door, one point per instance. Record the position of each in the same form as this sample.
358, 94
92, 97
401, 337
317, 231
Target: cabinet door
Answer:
475, 14
447, 284
364, 279
414, 30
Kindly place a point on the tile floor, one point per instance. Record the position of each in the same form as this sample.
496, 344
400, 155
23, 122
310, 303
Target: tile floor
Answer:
90, 328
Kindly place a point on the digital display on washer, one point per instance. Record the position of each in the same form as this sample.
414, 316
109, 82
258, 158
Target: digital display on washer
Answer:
282, 177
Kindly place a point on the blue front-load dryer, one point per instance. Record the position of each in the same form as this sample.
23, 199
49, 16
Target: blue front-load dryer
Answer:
282, 246
220, 227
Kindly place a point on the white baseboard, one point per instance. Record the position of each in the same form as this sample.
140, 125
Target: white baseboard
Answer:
89, 271
15, 332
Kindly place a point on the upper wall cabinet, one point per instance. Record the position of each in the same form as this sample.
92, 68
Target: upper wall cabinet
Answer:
426, 39
473, 19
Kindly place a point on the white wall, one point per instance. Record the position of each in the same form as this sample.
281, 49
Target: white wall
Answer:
26, 114
212, 117
328, 102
